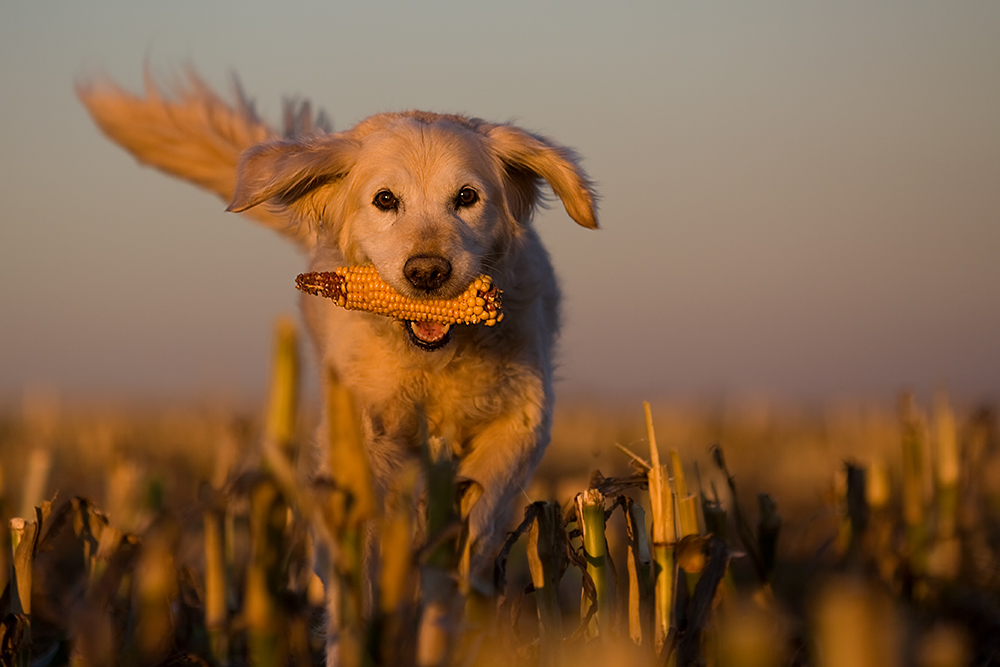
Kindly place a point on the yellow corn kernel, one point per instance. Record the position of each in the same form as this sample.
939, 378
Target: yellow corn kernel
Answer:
362, 288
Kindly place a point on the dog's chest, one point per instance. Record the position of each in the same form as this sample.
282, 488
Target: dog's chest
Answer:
459, 399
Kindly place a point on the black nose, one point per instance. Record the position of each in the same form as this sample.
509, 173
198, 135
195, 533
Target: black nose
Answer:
427, 272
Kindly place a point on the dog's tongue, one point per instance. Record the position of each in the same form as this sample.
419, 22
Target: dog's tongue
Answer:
429, 332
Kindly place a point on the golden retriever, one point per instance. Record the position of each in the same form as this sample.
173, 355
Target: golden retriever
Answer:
431, 200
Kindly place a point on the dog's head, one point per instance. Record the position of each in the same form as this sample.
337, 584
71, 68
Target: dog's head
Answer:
431, 200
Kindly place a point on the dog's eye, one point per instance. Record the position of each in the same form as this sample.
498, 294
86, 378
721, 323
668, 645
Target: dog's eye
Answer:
386, 201
466, 197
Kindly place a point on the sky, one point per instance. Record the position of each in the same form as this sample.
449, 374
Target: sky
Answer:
798, 200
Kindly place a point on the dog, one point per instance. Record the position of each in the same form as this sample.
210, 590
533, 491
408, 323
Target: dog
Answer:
432, 201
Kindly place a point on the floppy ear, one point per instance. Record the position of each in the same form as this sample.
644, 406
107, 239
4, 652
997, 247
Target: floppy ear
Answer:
285, 171
528, 157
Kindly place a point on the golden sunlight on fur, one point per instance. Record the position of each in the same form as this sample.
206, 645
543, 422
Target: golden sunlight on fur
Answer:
431, 201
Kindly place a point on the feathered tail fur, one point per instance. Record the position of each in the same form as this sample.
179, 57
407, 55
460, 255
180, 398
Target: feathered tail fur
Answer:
195, 135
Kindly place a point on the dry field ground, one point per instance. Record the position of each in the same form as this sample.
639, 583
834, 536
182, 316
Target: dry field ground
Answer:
807, 563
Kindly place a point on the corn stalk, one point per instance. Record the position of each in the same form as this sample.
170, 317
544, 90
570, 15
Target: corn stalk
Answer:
661, 505
640, 591
687, 504
546, 561
590, 516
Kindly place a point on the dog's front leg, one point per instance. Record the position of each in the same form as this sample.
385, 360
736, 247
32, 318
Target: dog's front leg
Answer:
499, 463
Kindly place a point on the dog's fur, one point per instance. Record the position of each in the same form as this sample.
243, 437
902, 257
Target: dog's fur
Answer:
487, 392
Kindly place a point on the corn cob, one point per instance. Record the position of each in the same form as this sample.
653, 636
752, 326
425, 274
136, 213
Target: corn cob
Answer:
362, 288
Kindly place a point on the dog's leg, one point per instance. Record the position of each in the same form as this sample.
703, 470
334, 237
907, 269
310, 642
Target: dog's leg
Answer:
500, 461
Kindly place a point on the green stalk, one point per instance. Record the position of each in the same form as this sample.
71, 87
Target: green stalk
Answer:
661, 502
590, 513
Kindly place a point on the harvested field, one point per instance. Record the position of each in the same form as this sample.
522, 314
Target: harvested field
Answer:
843, 535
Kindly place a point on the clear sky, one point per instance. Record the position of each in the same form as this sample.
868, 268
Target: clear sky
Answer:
798, 199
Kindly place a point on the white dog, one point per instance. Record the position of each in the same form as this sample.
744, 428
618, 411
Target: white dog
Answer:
431, 201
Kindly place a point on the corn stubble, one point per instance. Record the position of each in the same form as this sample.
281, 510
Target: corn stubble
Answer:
703, 581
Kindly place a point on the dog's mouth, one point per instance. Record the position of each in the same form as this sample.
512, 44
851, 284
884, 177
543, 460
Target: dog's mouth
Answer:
428, 335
